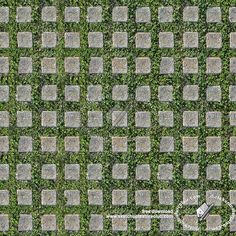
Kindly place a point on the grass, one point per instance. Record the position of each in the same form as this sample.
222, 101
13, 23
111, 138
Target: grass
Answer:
107, 80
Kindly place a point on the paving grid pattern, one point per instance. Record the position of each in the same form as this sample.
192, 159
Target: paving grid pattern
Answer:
115, 108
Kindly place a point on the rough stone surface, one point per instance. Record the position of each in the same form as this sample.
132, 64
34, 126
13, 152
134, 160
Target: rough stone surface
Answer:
72, 171
120, 171
167, 144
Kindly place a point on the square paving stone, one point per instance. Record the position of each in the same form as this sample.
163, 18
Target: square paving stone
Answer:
72, 14
23, 14
190, 197
213, 144
190, 223
25, 144
72, 40
143, 15
143, 224
49, 171
190, 40
49, 14
25, 223
49, 93
213, 119
233, 225
142, 119
23, 172
190, 119
165, 172
166, 223
48, 197
213, 197
165, 14
72, 119
4, 172
4, 144
143, 94
167, 144
213, 223
24, 197
94, 172
25, 65
165, 93
142, 144
119, 119
72, 171
49, 222
95, 119
232, 93
191, 92
213, 40
72, 197
232, 171
4, 40
143, 172
95, 197
233, 65
232, 14
23, 93
167, 65
96, 144
49, 39
96, 65
95, 39
72, 222
190, 171
24, 40
120, 171
119, 65
120, 40
213, 15
166, 118
72, 144
232, 118
190, 144
143, 40
166, 197
119, 197
48, 144
49, 119
4, 65
4, 14
120, 92
143, 197
94, 93
4, 221
232, 144
94, 14
4, 197
24, 119
190, 65
4, 93
166, 40
72, 93
213, 172
120, 14
119, 224
48, 65
4, 119
213, 65
190, 14
119, 144
232, 196
142, 65
96, 222
213, 93
233, 40
72, 65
